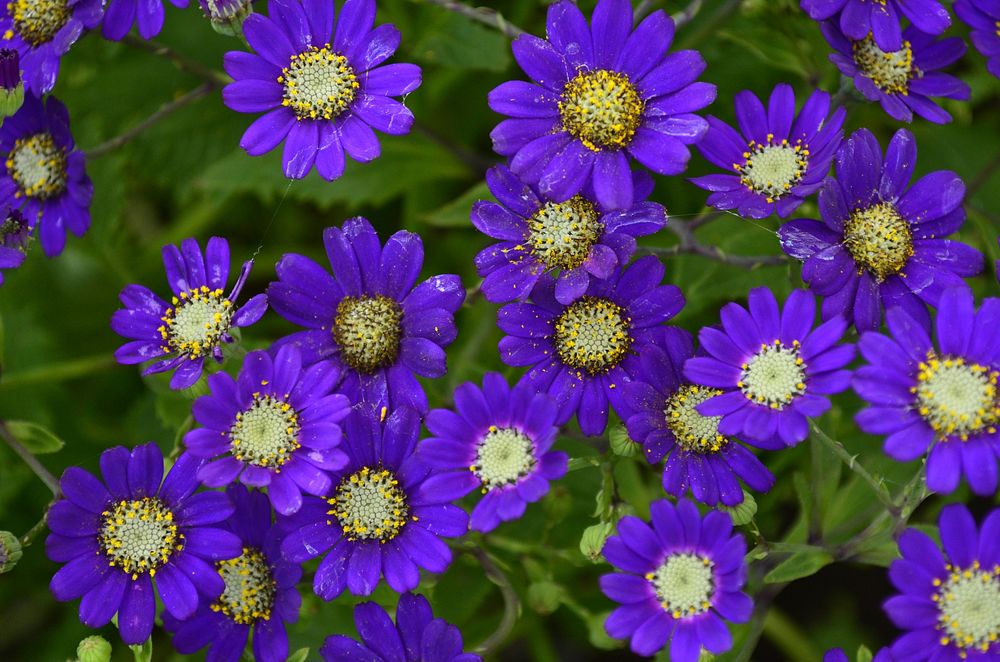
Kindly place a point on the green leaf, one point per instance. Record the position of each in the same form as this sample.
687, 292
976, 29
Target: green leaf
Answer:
37, 439
597, 635
798, 565
621, 443
299, 656
592, 541
455, 214
743, 512
455, 41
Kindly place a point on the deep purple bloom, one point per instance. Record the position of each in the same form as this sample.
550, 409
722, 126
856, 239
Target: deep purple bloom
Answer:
576, 240
901, 80
774, 369
680, 580
320, 86
603, 95
941, 398
198, 318
983, 18
10, 69
116, 536
665, 420
147, 15
498, 439
276, 426
949, 603
14, 237
385, 517
779, 159
583, 353
880, 18
880, 242
369, 317
45, 175
259, 595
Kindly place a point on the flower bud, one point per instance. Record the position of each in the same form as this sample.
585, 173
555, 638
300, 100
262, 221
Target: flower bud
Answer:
14, 230
10, 551
227, 16
94, 649
11, 86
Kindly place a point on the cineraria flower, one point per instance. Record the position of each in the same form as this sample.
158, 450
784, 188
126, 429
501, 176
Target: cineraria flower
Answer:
11, 86
259, 594
880, 18
368, 317
14, 236
949, 603
147, 15
386, 515
275, 426
940, 398
983, 18
779, 159
772, 367
321, 86
902, 80
45, 175
415, 637
583, 353
838, 655
665, 420
116, 536
605, 95
680, 579
198, 318
577, 239
880, 242
498, 439
42, 31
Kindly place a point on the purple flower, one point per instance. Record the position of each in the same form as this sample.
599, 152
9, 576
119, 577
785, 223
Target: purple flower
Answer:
10, 70
583, 353
941, 398
259, 594
147, 15
275, 426
368, 317
386, 515
983, 17
578, 239
116, 536
902, 80
320, 86
838, 655
880, 19
498, 440
42, 31
774, 369
779, 159
665, 420
14, 237
45, 175
680, 580
606, 94
949, 603
880, 242
197, 320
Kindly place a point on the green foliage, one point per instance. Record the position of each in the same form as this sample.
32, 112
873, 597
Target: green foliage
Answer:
37, 439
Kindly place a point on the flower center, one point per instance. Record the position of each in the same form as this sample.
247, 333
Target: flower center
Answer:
266, 434
503, 457
370, 505
592, 335
684, 584
879, 239
139, 535
367, 330
38, 167
601, 109
956, 397
562, 233
197, 322
969, 607
694, 433
250, 588
774, 376
38, 21
319, 83
14, 231
773, 169
891, 72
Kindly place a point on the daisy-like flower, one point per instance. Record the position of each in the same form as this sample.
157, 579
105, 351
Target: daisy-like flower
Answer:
949, 603
259, 595
773, 368
44, 174
943, 398
680, 579
983, 19
666, 421
902, 80
14, 237
276, 426
194, 325
577, 239
603, 95
498, 440
320, 86
416, 636
136, 528
369, 317
386, 515
147, 15
880, 18
778, 159
583, 353
880, 243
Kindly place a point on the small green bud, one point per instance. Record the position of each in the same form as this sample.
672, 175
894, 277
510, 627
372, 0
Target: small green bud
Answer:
227, 16
545, 596
11, 86
592, 541
10, 551
621, 444
744, 511
94, 649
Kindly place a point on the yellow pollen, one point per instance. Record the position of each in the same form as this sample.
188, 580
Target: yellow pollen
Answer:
370, 505
318, 84
957, 398
561, 234
890, 72
774, 376
772, 169
38, 21
198, 322
503, 457
38, 166
139, 535
879, 239
250, 588
367, 331
601, 109
592, 334
692, 431
266, 434
684, 584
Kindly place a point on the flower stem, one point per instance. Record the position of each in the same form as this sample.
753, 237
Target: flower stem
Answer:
689, 244
182, 62
851, 461
57, 371
485, 15
511, 603
43, 474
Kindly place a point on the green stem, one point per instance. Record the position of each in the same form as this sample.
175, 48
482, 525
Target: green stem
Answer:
788, 637
484, 15
56, 372
851, 462
511, 603
182, 62
43, 474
